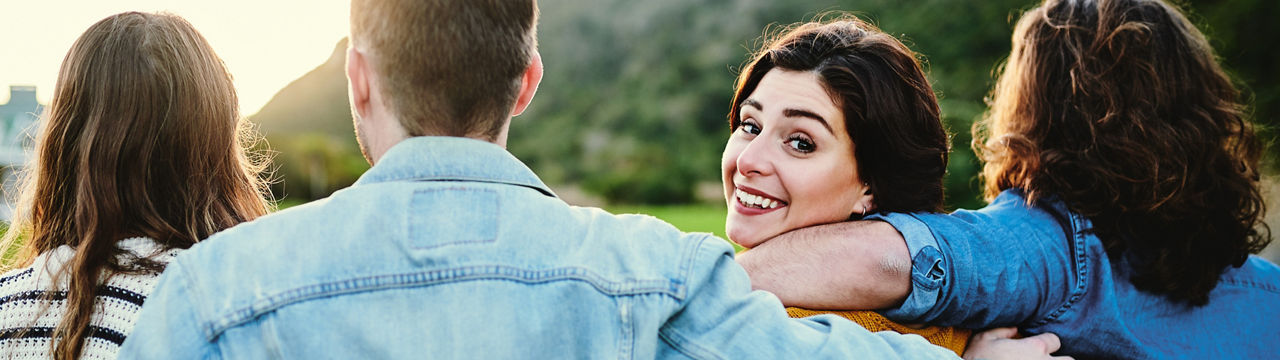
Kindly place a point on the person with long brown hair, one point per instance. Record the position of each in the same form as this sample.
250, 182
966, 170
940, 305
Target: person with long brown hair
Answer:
141, 153
1123, 175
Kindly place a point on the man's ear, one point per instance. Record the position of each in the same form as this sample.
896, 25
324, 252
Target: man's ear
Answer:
358, 80
528, 84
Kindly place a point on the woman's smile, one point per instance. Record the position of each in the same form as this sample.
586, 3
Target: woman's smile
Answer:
754, 202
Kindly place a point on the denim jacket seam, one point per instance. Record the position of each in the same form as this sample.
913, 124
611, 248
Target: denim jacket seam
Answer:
670, 335
1080, 259
386, 179
691, 257
487, 180
1251, 284
192, 283
626, 342
436, 277
684, 346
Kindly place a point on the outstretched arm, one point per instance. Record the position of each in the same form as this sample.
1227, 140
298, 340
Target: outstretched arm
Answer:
1007, 264
721, 318
855, 265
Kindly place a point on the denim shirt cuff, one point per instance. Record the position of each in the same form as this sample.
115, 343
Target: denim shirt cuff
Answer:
927, 270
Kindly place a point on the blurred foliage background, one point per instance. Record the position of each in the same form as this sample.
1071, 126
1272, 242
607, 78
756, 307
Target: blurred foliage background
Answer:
632, 107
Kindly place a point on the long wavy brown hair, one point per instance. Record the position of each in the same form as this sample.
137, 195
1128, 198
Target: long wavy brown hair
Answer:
1120, 109
143, 138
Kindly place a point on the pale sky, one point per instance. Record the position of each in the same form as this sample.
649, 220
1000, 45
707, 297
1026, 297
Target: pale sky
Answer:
265, 43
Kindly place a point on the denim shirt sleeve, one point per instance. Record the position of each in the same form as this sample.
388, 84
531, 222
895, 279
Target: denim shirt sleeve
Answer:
168, 325
1009, 266
927, 271
722, 318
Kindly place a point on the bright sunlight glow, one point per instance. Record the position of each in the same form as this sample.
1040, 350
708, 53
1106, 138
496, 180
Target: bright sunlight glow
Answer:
265, 43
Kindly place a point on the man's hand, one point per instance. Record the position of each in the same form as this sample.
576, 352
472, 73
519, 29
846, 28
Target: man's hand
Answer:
999, 343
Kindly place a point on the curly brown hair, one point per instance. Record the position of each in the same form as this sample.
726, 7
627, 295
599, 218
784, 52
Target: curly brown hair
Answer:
890, 109
1120, 109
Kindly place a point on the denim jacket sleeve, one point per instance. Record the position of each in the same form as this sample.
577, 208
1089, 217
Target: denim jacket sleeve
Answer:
722, 318
1005, 265
168, 325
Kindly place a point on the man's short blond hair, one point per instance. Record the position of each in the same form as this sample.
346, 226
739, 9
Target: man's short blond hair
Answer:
448, 67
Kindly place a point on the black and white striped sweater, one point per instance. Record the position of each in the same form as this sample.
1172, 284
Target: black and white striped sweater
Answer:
24, 336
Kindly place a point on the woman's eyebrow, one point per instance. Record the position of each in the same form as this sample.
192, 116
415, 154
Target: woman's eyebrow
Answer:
807, 114
752, 103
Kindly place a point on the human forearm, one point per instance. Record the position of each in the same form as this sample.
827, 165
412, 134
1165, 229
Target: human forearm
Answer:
857, 265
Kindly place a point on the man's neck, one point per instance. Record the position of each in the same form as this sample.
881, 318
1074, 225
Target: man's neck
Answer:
395, 135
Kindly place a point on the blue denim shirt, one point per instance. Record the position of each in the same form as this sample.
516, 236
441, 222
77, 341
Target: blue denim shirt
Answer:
452, 248
1041, 269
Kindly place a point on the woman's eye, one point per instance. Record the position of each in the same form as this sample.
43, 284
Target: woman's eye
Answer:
801, 144
750, 128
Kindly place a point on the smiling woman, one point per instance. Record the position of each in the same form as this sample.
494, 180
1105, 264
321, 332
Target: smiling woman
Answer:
833, 121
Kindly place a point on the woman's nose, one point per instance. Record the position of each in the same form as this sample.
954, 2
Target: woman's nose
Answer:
755, 158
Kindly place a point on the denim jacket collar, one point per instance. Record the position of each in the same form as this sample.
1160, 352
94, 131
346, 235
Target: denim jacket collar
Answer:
442, 158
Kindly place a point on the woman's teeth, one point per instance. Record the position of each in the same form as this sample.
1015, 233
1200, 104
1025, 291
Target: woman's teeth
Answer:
754, 201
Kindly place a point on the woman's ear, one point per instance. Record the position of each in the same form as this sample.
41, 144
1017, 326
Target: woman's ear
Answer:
866, 202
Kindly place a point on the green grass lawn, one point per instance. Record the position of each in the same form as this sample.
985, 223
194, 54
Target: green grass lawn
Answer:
688, 218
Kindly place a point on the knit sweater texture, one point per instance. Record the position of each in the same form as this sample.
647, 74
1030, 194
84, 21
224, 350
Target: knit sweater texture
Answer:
952, 338
26, 324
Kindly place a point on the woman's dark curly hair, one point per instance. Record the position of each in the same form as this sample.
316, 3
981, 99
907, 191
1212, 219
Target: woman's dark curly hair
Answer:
890, 110
1120, 109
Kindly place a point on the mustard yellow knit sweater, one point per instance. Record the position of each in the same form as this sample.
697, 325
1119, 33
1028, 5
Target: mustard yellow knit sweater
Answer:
952, 338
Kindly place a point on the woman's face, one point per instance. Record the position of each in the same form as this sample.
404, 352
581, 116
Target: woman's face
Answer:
790, 163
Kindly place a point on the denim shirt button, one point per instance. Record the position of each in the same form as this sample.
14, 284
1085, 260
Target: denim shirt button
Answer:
927, 270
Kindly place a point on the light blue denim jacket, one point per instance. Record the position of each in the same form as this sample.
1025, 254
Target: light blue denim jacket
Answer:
1040, 268
452, 248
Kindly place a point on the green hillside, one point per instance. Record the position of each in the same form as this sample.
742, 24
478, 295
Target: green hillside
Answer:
307, 126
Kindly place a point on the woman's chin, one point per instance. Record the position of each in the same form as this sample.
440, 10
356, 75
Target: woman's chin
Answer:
744, 240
